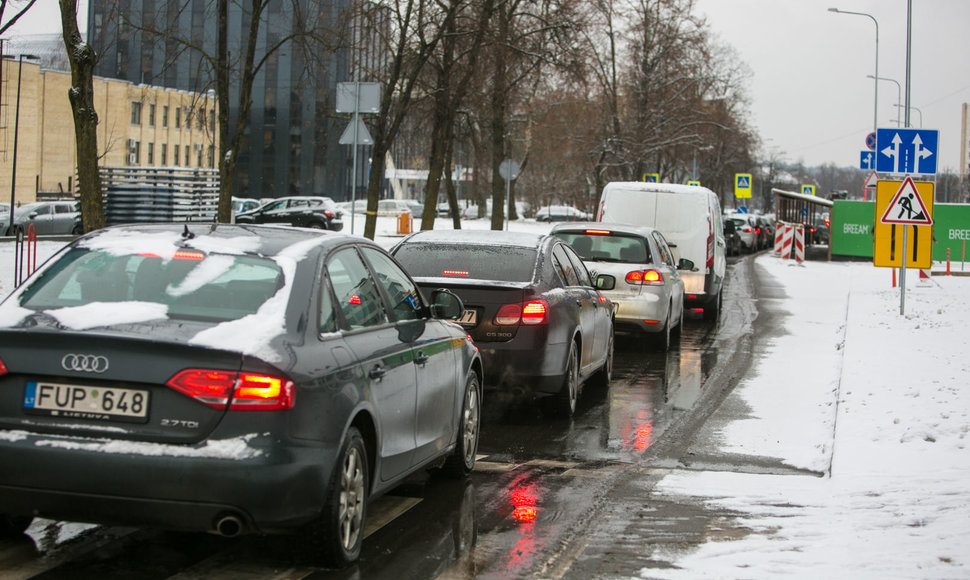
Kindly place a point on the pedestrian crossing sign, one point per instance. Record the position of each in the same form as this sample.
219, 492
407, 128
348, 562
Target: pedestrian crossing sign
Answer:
742, 185
907, 207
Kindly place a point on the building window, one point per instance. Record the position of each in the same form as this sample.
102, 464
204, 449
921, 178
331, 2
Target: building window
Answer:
178, 117
212, 121
151, 153
212, 156
151, 115
198, 151
136, 112
164, 154
187, 158
175, 150
188, 119
165, 116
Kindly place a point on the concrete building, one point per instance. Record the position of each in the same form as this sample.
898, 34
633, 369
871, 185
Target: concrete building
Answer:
291, 143
138, 125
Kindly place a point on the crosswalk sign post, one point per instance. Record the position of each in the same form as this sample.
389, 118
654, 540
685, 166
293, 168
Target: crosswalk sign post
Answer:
902, 204
742, 185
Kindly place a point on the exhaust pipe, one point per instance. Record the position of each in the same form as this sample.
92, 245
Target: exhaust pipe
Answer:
229, 526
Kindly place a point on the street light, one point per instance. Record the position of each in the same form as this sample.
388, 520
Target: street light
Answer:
912, 108
899, 95
875, 82
16, 129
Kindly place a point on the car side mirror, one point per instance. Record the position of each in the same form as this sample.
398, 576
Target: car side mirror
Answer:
685, 264
446, 304
32, 215
605, 282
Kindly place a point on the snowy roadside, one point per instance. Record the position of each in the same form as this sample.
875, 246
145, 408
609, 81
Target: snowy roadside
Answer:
876, 402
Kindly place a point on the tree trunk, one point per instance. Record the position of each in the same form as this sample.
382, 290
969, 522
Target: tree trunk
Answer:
81, 95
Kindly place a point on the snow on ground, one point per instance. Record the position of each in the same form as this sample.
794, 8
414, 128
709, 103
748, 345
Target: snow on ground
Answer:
876, 401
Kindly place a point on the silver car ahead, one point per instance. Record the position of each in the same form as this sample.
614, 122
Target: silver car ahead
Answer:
649, 293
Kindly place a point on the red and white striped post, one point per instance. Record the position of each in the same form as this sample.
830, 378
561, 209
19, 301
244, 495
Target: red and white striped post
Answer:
800, 244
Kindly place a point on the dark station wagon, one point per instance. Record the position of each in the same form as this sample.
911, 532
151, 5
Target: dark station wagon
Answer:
228, 378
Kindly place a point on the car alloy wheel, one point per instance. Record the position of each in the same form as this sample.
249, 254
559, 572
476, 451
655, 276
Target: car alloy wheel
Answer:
570, 387
462, 461
351, 516
334, 539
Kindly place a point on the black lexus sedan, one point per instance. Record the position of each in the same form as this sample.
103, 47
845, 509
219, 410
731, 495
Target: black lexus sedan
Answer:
540, 321
301, 210
232, 379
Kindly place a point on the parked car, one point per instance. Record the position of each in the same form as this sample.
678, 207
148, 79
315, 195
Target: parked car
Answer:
732, 238
746, 229
649, 293
241, 204
48, 217
690, 219
231, 379
560, 213
541, 322
302, 211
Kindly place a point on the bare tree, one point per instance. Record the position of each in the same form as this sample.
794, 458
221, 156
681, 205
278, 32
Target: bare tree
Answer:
20, 11
452, 66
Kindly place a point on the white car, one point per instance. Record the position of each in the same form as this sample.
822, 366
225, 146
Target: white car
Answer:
747, 228
649, 292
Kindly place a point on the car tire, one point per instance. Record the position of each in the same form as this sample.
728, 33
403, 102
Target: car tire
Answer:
77, 230
663, 337
678, 330
604, 376
565, 402
461, 462
13, 526
335, 537
713, 311
317, 225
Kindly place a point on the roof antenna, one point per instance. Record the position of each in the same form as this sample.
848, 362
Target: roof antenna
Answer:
187, 235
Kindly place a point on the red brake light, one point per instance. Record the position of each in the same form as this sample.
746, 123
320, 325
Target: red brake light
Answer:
534, 313
455, 273
599, 232
187, 255
645, 277
531, 313
355, 299
248, 391
3, 368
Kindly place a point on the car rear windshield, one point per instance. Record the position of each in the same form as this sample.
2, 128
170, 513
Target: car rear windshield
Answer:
192, 284
471, 261
613, 247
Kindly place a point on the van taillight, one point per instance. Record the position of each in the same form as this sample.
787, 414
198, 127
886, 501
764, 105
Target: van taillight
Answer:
531, 313
240, 391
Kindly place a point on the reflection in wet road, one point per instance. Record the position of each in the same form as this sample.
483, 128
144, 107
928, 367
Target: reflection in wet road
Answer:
539, 483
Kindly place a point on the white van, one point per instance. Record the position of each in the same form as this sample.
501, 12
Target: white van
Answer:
689, 217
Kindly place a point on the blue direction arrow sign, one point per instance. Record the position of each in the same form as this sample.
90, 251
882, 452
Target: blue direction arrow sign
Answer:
867, 160
912, 151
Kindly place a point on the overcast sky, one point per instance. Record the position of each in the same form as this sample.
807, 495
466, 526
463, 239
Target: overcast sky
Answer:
811, 98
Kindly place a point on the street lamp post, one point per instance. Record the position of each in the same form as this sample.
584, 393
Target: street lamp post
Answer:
899, 96
16, 130
875, 82
912, 108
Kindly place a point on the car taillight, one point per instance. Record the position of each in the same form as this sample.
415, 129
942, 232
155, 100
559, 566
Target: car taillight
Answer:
240, 391
463, 273
645, 277
3, 368
531, 313
328, 213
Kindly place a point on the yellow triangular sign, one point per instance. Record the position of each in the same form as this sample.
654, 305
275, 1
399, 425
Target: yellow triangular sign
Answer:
907, 207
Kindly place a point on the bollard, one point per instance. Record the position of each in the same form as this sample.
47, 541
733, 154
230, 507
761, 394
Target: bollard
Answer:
948, 261
404, 223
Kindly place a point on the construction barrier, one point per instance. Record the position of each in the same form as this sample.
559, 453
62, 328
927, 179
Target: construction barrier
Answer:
779, 236
789, 237
799, 244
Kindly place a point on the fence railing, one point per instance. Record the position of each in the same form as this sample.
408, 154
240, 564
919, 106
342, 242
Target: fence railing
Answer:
159, 194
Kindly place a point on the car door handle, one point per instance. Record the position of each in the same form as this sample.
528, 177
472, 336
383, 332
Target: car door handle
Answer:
377, 373
421, 358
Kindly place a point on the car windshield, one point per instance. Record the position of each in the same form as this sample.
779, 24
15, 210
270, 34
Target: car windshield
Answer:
472, 261
191, 285
608, 248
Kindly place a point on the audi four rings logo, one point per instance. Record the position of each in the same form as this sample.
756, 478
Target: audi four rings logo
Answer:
87, 363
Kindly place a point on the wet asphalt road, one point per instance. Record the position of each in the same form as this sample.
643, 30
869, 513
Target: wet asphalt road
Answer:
530, 509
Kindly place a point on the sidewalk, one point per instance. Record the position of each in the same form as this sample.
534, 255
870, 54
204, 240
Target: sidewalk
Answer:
844, 453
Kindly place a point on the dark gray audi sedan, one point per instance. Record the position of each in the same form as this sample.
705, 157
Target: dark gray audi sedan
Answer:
233, 379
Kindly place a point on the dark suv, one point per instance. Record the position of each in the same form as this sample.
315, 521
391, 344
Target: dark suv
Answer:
302, 211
